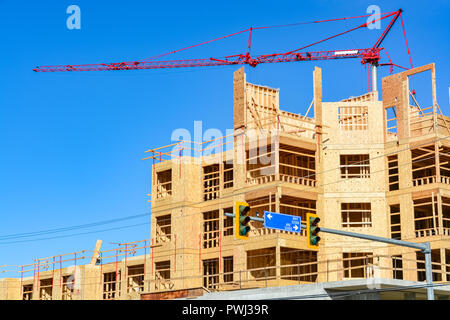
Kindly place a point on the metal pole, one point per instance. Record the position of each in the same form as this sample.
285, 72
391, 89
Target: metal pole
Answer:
414, 245
429, 271
424, 247
231, 215
374, 78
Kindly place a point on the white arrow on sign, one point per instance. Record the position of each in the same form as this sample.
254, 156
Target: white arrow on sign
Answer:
269, 216
295, 227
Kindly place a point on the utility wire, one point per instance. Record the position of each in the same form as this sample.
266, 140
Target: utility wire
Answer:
193, 204
43, 232
63, 229
14, 236
77, 234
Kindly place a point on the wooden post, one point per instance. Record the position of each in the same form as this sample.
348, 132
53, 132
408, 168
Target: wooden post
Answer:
433, 88
437, 162
278, 260
94, 258
277, 155
440, 216
434, 212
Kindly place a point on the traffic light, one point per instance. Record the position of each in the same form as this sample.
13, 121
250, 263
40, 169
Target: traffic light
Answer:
312, 230
241, 220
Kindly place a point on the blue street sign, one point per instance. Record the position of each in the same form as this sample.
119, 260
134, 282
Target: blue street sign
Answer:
280, 221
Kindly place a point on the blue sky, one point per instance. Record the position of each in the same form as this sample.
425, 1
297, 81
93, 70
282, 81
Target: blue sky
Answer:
71, 143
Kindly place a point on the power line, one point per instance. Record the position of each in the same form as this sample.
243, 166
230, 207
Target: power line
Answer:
38, 233
63, 229
193, 204
77, 234
49, 231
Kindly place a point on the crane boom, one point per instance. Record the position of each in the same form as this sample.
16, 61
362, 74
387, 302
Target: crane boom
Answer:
240, 59
369, 56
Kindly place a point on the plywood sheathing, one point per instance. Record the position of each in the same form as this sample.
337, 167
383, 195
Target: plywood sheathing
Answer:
239, 118
396, 93
252, 104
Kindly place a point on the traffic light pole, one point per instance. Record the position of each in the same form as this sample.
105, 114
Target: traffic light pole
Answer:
424, 247
231, 215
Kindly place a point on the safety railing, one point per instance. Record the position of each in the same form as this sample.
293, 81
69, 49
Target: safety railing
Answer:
424, 180
281, 177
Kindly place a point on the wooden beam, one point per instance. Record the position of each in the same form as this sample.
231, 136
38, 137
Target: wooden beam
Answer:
95, 255
437, 161
255, 116
415, 101
417, 70
307, 111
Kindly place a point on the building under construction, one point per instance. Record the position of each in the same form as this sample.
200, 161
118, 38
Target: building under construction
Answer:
369, 164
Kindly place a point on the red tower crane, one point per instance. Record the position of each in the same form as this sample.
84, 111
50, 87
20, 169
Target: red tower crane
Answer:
368, 56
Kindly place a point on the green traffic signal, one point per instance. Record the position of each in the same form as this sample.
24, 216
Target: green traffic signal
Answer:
243, 228
313, 231
242, 219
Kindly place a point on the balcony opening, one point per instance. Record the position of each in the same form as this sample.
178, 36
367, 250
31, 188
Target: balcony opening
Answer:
421, 104
135, 281
297, 165
162, 276
27, 293
163, 184
426, 220
45, 289
423, 165
68, 286
391, 121
260, 162
163, 228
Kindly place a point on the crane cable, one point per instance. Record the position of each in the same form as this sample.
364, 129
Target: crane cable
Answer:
267, 27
